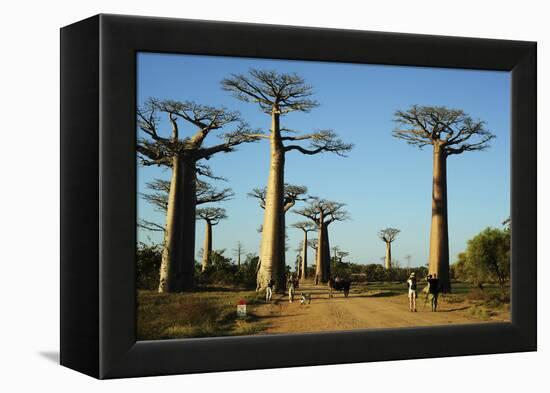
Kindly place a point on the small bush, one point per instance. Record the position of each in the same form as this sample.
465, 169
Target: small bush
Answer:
492, 298
481, 312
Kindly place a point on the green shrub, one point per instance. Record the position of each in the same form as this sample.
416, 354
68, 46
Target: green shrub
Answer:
148, 259
222, 272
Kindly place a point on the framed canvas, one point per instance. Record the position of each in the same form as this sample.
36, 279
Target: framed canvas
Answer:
136, 294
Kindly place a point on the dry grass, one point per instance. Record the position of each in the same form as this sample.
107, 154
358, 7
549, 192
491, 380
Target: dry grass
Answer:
198, 314
484, 304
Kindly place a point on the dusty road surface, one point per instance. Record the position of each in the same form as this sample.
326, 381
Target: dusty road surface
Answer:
363, 309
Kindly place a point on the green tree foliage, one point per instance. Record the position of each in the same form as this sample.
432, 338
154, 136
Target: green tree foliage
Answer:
376, 272
249, 270
224, 272
486, 259
340, 269
148, 258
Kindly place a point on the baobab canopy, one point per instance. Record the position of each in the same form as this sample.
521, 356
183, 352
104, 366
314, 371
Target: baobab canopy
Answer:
451, 129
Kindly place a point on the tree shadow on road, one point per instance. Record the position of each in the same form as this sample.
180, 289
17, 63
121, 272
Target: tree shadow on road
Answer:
455, 309
378, 294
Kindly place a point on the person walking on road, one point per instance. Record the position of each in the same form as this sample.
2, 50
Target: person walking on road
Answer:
433, 290
290, 289
411, 283
269, 291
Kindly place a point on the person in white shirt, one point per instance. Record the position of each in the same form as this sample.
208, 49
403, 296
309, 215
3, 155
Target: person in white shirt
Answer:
411, 282
291, 289
269, 291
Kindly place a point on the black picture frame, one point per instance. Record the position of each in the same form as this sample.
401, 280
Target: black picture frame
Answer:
98, 196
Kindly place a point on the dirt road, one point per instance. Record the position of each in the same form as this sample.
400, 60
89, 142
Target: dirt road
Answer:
363, 309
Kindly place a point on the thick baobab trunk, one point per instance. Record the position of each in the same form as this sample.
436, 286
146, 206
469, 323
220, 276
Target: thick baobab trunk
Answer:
322, 269
178, 259
271, 254
439, 233
388, 256
280, 279
319, 254
207, 249
303, 268
326, 257
171, 252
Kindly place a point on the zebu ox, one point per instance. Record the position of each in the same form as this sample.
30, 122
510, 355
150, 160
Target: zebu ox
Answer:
339, 284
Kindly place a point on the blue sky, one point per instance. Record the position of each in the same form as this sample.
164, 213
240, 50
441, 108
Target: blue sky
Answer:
384, 181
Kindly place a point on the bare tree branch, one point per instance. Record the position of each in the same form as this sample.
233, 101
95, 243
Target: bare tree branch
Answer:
292, 194
242, 134
206, 193
320, 141
204, 170
150, 226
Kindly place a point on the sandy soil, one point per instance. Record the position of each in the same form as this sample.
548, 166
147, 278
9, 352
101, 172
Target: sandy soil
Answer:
361, 310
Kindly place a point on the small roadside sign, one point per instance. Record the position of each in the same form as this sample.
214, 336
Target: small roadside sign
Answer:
241, 308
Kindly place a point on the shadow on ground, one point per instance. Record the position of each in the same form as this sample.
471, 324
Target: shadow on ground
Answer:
378, 294
454, 309
52, 356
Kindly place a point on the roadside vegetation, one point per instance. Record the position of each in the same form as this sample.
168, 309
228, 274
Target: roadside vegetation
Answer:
480, 282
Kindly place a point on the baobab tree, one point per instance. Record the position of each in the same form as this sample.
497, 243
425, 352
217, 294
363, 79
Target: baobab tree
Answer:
292, 194
408, 258
277, 94
183, 155
449, 132
388, 235
342, 255
239, 250
323, 213
335, 250
299, 248
306, 227
212, 217
314, 245
298, 262
338, 254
